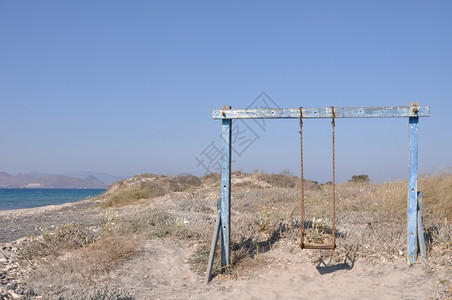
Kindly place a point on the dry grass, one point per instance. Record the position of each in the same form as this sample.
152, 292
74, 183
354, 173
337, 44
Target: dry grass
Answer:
155, 224
391, 197
437, 195
55, 243
88, 292
72, 252
265, 213
90, 263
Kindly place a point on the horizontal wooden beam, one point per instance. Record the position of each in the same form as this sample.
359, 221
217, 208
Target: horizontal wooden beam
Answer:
324, 112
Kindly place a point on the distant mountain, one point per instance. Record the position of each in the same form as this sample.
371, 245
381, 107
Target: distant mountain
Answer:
108, 179
7, 180
49, 181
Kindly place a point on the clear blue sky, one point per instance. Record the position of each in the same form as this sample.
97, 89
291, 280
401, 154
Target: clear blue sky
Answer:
127, 87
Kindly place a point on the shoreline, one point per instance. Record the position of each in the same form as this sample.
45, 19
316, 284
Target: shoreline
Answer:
23, 199
43, 208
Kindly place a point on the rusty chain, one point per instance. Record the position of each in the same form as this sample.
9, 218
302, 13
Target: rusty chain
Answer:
333, 125
302, 229
302, 225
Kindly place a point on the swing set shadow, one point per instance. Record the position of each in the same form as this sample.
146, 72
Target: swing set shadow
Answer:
327, 268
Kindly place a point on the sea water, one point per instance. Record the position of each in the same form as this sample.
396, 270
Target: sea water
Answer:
28, 198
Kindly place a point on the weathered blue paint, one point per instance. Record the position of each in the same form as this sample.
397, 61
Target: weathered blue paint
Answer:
324, 112
420, 227
412, 189
213, 246
226, 134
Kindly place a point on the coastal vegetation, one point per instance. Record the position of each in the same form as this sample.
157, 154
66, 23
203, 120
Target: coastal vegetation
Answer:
371, 224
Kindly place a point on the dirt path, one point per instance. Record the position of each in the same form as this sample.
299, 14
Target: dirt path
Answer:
160, 271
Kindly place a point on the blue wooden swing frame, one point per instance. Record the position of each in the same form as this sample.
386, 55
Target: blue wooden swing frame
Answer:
226, 114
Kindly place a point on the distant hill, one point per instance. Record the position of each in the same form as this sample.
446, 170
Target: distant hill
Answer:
49, 181
19, 180
105, 178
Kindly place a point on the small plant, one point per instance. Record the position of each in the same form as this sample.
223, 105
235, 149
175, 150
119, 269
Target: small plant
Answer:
263, 223
264, 220
317, 234
107, 220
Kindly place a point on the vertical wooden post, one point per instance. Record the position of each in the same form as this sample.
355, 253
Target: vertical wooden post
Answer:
412, 188
226, 134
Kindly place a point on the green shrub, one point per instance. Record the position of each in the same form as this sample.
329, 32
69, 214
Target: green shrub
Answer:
360, 179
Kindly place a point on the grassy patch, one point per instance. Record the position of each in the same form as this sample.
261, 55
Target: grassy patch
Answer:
55, 243
126, 197
72, 251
